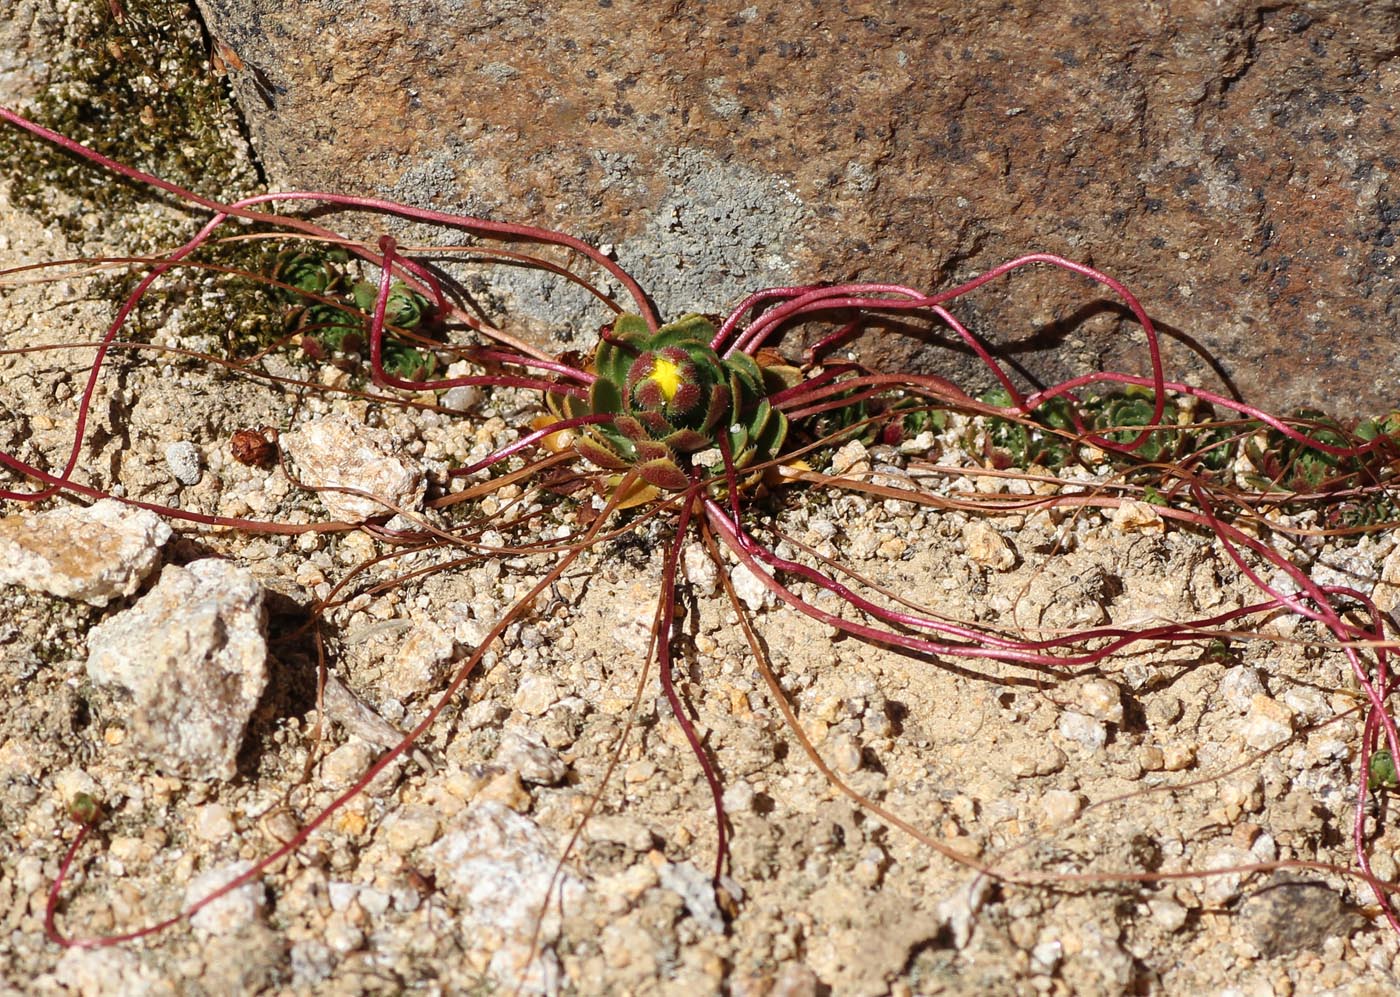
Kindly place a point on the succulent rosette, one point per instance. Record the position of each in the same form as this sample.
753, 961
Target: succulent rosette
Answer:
671, 396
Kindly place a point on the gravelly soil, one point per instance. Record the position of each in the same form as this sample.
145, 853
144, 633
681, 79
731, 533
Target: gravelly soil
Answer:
1136, 767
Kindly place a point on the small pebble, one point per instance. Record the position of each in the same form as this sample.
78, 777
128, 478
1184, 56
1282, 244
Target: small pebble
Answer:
752, 592
213, 822
536, 694
347, 763
1167, 914
1137, 517
231, 911
463, 397
1310, 704
1043, 759
409, 827
852, 458
739, 797
701, 570
1060, 806
620, 829
843, 752
696, 891
1268, 724
986, 547
1151, 758
1220, 889
1046, 956
338, 452
506, 789
1097, 698
1239, 687
341, 935
628, 885
1383, 864
529, 756
1083, 730
182, 457
373, 902
312, 961
421, 660
1176, 757
341, 894
958, 910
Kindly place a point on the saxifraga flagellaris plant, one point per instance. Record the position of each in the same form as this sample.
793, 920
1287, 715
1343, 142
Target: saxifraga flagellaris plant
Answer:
702, 427
671, 396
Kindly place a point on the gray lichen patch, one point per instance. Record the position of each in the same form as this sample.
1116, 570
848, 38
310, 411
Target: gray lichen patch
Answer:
718, 229
722, 229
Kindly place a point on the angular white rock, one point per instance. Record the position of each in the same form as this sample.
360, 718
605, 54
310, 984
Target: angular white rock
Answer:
192, 657
236, 908
526, 753
1239, 686
701, 570
986, 547
852, 459
1060, 806
421, 660
536, 694
1083, 729
343, 766
101, 972
1268, 724
752, 592
497, 867
1097, 698
337, 452
1167, 913
1137, 517
1222, 888
697, 892
958, 910
96, 554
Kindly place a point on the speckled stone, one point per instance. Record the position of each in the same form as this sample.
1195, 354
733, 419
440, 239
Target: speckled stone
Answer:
190, 659
1229, 160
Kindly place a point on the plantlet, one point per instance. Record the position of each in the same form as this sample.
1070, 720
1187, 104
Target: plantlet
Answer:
702, 432
331, 313
1382, 773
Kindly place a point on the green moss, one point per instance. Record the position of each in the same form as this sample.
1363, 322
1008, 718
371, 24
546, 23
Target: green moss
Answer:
140, 91
237, 310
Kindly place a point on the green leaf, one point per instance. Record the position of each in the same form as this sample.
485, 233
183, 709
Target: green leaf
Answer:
1382, 772
605, 396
